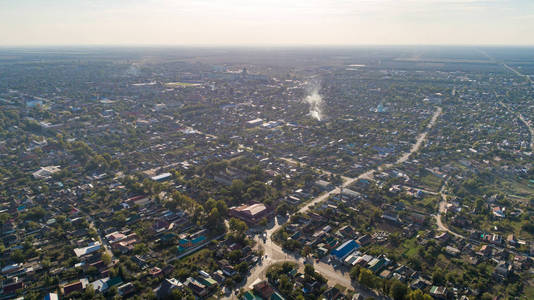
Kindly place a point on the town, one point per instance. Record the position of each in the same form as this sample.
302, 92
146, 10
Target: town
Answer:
321, 174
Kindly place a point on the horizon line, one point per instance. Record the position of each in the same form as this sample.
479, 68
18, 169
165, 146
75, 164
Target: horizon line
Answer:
23, 46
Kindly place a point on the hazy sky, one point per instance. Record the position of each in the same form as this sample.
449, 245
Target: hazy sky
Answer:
262, 22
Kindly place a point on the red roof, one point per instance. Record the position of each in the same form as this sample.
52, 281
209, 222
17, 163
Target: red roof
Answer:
72, 287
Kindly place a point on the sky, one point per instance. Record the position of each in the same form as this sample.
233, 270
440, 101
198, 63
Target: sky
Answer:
262, 22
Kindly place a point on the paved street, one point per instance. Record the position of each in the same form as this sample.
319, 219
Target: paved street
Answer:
273, 253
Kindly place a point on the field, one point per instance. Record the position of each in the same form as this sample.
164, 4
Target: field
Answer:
182, 84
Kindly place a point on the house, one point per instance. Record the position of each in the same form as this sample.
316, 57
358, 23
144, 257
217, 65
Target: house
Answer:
346, 231
161, 177
51, 296
218, 276
512, 241
378, 263
351, 260
357, 296
139, 200
249, 295
364, 240
452, 251
228, 270
91, 247
76, 286
438, 292
254, 123
251, 214
345, 249
417, 218
11, 268
263, 289
442, 237
332, 293
125, 244
324, 185
100, 285
166, 287
11, 285
485, 250
503, 269
126, 289
230, 174
192, 242
386, 274
46, 172
364, 260
391, 216
155, 272
498, 212
198, 288
420, 283
292, 200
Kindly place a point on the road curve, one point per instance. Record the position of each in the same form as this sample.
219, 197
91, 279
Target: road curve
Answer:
442, 210
274, 253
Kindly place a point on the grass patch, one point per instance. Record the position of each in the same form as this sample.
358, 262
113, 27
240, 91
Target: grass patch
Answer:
411, 248
528, 292
432, 181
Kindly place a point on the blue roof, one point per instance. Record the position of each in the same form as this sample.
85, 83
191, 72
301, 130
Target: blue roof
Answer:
198, 239
345, 249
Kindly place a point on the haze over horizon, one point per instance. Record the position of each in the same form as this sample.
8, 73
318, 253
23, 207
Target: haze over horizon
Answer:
259, 23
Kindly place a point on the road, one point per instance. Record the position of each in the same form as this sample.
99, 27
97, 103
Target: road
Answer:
102, 241
369, 174
274, 253
294, 162
443, 227
527, 123
442, 209
517, 72
493, 60
422, 137
411, 188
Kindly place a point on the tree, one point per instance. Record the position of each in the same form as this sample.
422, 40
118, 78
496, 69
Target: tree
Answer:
238, 226
242, 267
236, 190
398, 290
106, 258
486, 296
394, 239
210, 204
278, 182
222, 207
214, 220
306, 250
89, 292
366, 278
140, 248
282, 209
17, 256
355, 272
437, 277
309, 270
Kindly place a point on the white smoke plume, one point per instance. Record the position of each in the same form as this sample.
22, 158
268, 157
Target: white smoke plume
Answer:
133, 70
315, 101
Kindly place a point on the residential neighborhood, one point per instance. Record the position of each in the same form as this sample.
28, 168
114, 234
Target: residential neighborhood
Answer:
214, 176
